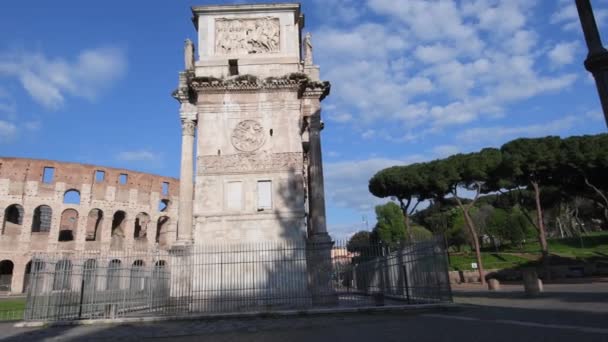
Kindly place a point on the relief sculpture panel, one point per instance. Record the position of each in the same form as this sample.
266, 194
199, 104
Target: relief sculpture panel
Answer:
246, 36
248, 136
248, 162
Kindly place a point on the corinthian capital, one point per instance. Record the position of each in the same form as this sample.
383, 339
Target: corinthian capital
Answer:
188, 127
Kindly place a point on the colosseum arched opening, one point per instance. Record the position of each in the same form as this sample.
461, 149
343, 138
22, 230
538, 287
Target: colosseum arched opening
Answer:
13, 220
163, 205
89, 274
113, 276
138, 276
67, 228
162, 232
32, 266
63, 275
41, 222
94, 221
118, 230
6, 275
140, 232
71, 196
41, 226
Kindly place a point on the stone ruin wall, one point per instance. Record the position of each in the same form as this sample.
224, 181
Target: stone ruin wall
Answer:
110, 216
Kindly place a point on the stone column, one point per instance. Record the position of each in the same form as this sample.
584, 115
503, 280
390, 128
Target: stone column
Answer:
186, 182
319, 242
316, 187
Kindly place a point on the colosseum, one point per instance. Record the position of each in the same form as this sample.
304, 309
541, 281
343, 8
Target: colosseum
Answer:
50, 206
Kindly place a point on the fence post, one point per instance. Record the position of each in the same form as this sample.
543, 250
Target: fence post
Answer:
407, 285
81, 298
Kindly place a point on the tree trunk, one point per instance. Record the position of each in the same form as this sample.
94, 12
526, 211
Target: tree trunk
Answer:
599, 193
475, 239
408, 228
406, 217
542, 237
472, 230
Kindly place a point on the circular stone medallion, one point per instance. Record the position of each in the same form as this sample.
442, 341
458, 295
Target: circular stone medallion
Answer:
248, 136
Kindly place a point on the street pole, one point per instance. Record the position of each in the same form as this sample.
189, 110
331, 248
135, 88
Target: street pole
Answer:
597, 58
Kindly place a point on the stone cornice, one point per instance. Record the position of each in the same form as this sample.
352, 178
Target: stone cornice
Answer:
246, 8
318, 89
299, 82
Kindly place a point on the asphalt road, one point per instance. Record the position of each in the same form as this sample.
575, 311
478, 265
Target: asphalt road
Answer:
572, 312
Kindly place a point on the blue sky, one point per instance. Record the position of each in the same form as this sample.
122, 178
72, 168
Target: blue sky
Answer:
411, 81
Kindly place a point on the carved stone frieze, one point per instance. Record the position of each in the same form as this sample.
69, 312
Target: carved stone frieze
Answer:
251, 162
244, 36
248, 136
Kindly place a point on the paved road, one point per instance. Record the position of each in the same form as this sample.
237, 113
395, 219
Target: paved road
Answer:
576, 312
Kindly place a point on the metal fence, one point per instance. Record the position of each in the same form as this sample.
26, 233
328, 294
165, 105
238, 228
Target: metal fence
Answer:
236, 278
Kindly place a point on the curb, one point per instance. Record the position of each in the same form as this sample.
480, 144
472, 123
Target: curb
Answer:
413, 309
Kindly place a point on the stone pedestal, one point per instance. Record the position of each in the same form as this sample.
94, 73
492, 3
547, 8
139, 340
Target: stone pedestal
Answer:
181, 276
493, 284
320, 266
532, 284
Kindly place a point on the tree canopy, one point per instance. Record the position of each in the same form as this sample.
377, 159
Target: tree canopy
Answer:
523, 177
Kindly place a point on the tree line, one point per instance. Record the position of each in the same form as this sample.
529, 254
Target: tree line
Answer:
508, 188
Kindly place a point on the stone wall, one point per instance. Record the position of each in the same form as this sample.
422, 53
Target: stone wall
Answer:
81, 203
277, 157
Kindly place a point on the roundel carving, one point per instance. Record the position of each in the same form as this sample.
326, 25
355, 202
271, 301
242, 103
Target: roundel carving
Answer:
248, 136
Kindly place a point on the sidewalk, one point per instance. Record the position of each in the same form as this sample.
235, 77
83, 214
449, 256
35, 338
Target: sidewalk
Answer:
587, 294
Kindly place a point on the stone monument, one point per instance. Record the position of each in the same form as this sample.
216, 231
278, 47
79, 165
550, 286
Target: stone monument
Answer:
253, 103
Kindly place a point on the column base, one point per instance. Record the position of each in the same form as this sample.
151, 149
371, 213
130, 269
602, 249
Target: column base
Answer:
320, 268
180, 290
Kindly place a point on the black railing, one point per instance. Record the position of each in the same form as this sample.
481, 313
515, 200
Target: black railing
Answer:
235, 278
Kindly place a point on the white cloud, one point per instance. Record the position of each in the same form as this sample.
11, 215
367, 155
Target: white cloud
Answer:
33, 125
445, 150
521, 42
360, 42
428, 20
344, 231
341, 10
341, 117
418, 85
479, 56
566, 15
563, 53
346, 181
8, 105
596, 115
368, 134
505, 18
138, 156
8, 131
495, 134
434, 53
48, 80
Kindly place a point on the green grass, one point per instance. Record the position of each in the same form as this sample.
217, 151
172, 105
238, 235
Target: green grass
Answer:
594, 245
590, 246
462, 262
11, 308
